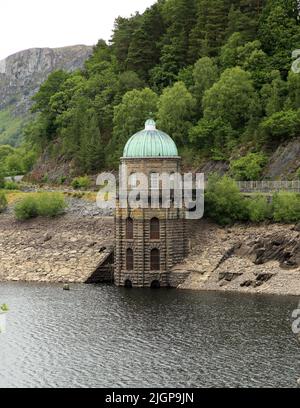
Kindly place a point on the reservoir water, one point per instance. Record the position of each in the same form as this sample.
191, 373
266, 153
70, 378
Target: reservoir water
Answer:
103, 336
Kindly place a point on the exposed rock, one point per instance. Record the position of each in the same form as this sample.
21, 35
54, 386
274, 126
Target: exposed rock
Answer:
47, 237
284, 162
247, 283
297, 227
264, 277
275, 246
229, 276
22, 73
264, 258
67, 257
211, 166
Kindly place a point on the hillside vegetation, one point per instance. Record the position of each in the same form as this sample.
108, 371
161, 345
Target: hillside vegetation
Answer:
10, 127
215, 74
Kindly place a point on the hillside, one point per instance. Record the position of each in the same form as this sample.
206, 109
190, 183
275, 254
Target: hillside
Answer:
22, 73
215, 74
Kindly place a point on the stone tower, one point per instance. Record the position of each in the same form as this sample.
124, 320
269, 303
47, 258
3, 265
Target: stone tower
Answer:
149, 241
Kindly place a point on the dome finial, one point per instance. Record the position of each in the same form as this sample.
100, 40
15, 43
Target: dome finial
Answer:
150, 123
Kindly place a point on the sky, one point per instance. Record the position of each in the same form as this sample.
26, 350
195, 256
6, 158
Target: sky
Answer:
58, 23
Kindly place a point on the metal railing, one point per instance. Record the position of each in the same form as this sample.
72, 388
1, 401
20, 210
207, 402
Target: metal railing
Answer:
16, 179
266, 186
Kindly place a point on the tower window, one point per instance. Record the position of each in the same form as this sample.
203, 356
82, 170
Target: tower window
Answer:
132, 180
155, 260
129, 228
129, 259
154, 228
154, 179
172, 181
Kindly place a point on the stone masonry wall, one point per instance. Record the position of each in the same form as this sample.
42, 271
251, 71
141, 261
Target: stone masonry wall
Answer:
172, 245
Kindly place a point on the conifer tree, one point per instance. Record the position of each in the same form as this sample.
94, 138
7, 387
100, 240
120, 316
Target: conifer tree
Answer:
209, 32
279, 33
122, 37
143, 51
91, 153
179, 17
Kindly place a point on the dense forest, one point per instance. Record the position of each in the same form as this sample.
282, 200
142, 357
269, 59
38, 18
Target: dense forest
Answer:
215, 74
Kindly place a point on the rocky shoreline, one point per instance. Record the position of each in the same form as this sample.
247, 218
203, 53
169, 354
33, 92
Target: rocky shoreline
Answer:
261, 258
65, 249
242, 258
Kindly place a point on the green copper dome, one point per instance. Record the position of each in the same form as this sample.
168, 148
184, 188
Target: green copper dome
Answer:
150, 142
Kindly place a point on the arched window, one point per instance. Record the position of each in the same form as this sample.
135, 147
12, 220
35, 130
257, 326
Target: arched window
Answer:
129, 259
154, 181
132, 180
129, 228
172, 181
154, 228
155, 260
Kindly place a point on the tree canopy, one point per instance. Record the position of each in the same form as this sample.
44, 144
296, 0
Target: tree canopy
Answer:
214, 73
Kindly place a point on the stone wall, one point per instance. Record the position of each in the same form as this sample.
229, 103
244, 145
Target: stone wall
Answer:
152, 165
171, 244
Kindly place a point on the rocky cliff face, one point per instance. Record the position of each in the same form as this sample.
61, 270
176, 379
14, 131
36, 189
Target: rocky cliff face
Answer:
21, 74
284, 162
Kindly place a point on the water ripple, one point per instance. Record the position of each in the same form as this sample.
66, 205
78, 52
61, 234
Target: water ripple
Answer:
102, 336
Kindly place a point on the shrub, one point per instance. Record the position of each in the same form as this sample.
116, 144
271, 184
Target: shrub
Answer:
11, 185
259, 209
41, 204
26, 208
284, 124
4, 308
2, 181
51, 205
223, 200
298, 173
3, 202
286, 207
45, 178
248, 167
61, 179
81, 182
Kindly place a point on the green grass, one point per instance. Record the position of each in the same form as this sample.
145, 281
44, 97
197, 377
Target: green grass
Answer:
12, 195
